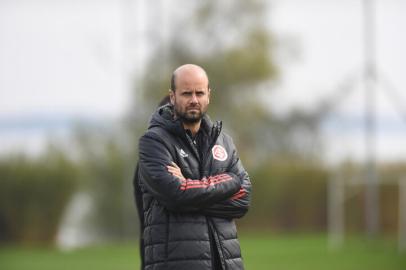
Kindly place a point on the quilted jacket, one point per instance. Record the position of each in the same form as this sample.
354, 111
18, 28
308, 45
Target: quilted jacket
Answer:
185, 222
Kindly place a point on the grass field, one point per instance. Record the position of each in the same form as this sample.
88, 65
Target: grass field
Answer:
260, 252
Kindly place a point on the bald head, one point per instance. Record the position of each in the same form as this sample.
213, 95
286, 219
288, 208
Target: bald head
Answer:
190, 95
188, 74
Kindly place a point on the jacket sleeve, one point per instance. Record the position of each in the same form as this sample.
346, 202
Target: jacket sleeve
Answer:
176, 194
237, 205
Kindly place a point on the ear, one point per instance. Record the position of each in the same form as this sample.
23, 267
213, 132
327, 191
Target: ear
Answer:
172, 96
208, 95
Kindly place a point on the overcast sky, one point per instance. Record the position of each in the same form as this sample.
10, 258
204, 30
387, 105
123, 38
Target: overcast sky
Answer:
328, 38
64, 59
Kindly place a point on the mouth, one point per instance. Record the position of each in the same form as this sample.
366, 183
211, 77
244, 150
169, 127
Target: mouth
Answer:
193, 109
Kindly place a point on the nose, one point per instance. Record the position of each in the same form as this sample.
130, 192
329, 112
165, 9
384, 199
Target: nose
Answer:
194, 99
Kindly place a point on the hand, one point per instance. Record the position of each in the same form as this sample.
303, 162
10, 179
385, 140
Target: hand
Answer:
175, 171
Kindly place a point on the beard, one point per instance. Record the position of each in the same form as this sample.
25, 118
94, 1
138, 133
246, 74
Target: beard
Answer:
189, 116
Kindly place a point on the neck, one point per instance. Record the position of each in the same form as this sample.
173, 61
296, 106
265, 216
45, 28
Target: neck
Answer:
193, 127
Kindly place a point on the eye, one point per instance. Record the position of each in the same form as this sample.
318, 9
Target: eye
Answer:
186, 94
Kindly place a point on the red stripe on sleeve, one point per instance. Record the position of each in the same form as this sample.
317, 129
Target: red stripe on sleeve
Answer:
238, 195
205, 182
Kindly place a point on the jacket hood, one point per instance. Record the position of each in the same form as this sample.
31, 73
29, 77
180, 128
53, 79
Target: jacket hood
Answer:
164, 117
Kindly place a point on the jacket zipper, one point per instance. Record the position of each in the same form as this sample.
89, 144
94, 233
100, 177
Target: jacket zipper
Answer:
217, 130
202, 162
211, 240
192, 146
218, 244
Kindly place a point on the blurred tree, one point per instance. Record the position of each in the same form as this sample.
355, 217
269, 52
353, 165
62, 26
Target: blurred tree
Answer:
231, 41
33, 196
106, 167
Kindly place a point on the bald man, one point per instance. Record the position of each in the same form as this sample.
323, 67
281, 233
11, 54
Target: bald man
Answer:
189, 184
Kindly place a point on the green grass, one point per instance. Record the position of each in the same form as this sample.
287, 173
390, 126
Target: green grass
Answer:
260, 251
112, 257
311, 252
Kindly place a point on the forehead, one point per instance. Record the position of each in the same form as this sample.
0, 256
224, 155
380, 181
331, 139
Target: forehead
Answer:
191, 79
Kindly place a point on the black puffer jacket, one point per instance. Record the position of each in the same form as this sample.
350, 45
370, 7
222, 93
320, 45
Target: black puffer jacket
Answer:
184, 223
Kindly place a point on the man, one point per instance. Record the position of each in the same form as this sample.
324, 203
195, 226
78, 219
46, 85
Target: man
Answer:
189, 183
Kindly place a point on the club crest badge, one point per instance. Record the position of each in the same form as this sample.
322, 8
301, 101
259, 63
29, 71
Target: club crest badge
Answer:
219, 153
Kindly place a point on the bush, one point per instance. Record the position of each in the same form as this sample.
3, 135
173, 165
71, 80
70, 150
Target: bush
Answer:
33, 196
288, 196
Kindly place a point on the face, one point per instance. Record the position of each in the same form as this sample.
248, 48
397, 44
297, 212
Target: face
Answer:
191, 97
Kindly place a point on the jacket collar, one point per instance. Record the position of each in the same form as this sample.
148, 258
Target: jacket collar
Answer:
164, 117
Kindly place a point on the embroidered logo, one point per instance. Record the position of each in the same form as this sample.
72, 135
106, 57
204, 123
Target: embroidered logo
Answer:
183, 153
219, 153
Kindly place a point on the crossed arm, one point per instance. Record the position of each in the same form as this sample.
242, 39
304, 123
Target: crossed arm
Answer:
225, 195
234, 207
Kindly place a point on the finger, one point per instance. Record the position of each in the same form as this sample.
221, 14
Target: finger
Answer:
178, 176
175, 165
172, 169
175, 172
